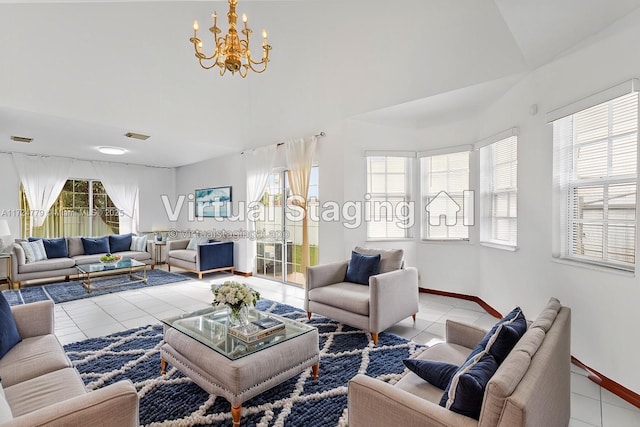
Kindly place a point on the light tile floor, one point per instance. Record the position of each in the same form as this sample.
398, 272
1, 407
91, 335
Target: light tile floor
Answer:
93, 317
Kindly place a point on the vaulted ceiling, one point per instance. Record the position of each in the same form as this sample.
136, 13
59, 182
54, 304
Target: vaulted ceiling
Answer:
80, 74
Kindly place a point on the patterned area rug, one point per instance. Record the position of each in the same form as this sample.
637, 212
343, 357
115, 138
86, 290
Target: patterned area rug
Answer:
173, 400
73, 290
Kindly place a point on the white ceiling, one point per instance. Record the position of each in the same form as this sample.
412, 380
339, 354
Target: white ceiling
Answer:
79, 74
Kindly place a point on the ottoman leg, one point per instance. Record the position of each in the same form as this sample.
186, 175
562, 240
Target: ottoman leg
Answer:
163, 366
314, 370
235, 414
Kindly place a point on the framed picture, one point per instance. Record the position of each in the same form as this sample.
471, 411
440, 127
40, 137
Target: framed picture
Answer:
213, 202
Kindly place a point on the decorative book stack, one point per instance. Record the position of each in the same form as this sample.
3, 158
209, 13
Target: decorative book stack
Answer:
257, 330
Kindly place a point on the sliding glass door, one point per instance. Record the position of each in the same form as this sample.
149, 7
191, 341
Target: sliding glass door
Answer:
279, 244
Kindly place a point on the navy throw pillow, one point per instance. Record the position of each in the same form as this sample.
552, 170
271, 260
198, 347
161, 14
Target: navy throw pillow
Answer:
516, 312
55, 248
120, 242
506, 337
436, 373
361, 267
466, 391
94, 246
9, 335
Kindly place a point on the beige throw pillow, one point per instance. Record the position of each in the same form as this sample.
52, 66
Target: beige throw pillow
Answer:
390, 259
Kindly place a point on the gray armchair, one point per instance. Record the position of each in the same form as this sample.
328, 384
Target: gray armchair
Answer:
392, 295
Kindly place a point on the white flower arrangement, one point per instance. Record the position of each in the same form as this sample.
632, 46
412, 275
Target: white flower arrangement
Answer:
235, 295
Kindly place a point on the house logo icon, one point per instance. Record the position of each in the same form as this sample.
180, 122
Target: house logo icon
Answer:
445, 206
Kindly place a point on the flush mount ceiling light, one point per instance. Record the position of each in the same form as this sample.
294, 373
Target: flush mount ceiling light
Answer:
114, 151
231, 52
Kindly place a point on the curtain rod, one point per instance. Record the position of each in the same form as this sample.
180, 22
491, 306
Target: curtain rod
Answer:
282, 143
86, 160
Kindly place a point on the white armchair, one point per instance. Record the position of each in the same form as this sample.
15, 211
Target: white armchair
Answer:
392, 295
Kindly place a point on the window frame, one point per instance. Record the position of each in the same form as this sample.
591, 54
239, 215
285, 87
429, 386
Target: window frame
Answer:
426, 197
488, 191
374, 197
567, 183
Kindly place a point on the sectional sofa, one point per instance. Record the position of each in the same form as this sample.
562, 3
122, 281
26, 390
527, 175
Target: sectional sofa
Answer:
72, 254
40, 386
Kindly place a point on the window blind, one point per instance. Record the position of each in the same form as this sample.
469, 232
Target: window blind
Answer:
595, 175
444, 179
389, 187
499, 192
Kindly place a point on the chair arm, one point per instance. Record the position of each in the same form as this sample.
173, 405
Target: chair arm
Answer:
177, 244
326, 274
214, 255
373, 402
392, 297
34, 319
113, 406
463, 334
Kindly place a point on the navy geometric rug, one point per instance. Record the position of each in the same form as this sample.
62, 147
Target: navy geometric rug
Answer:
173, 400
73, 290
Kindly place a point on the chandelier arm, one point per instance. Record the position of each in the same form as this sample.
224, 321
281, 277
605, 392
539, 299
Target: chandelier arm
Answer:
207, 67
256, 70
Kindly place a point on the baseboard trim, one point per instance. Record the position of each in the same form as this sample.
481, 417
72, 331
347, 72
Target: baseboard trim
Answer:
242, 273
607, 383
492, 311
603, 381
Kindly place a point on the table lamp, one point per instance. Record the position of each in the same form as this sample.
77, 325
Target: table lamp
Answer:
4, 232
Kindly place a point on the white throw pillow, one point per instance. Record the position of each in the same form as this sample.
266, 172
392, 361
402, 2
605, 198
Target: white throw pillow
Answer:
34, 251
196, 241
5, 409
139, 243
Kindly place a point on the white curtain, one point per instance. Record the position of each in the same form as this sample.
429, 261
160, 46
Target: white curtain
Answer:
121, 184
259, 165
300, 153
42, 181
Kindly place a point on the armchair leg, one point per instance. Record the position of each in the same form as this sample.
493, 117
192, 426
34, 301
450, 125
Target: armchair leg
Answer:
200, 276
374, 337
414, 316
309, 315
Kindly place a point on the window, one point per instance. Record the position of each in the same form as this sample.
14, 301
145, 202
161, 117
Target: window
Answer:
499, 192
445, 184
389, 185
595, 175
83, 208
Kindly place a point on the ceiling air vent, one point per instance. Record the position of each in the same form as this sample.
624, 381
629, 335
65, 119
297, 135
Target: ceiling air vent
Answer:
21, 139
136, 135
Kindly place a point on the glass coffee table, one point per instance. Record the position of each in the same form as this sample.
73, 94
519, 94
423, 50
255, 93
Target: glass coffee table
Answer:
199, 345
136, 272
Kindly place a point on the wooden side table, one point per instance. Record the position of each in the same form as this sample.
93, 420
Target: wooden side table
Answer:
157, 251
7, 278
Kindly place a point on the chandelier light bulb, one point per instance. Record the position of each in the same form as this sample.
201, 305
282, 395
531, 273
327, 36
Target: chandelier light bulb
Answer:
244, 18
196, 27
264, 34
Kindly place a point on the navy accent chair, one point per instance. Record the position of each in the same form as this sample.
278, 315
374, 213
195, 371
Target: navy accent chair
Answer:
207, 258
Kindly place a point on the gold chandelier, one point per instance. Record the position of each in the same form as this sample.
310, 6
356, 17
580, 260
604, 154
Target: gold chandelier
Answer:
231, 52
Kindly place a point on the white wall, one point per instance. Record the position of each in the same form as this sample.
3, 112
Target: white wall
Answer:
603, 303
219, 172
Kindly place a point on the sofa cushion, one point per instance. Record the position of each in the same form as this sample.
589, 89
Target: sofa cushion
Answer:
46, 265
465, 393
361, 267
74, 246
184, 255
31, 358
548, 315
195, 241
44, 390
434, 372
138, 243
34, 251
95, 245
5, 409
87, 259
390, 259
55, 248
351, 297
137, 255
120, 242
9, 335
21, 258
